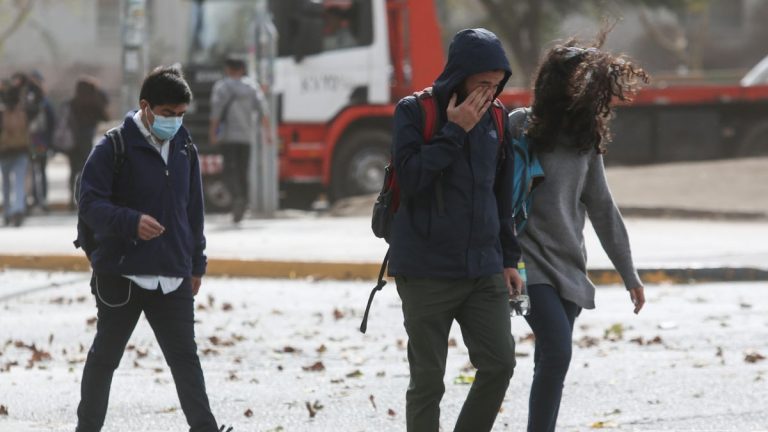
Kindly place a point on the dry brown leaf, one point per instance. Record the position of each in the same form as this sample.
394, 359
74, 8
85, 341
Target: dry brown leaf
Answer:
452, 342
753, 357
316, 367
313, 408
391, 412
588, 342
337, 314
3, 410
355, 374
373, 401
321, 349
248, 413
91, 321
227, 307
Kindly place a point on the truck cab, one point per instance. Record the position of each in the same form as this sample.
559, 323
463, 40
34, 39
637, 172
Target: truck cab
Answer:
340, 67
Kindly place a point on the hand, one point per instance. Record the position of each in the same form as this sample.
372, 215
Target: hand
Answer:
196, 282
514, 282
149, 228
471, 110
638, 298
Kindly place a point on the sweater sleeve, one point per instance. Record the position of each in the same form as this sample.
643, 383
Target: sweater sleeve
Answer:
608, 223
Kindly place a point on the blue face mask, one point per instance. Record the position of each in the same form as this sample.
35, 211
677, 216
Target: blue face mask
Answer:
166, 127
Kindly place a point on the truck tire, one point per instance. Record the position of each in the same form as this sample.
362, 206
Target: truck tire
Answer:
217, 195
755, 142
358, 168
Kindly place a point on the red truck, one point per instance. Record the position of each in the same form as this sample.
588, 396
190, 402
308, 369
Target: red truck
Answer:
342, 65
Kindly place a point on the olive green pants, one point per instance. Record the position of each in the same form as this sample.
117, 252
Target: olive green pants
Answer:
481, 307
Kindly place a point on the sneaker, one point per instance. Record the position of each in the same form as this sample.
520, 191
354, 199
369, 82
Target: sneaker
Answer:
17, 219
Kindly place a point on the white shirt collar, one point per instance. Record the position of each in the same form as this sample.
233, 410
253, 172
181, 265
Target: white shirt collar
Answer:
137, 118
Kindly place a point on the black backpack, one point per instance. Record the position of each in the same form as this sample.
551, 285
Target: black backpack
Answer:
86, 239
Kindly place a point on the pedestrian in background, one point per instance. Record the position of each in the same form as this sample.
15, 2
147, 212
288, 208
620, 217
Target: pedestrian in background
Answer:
568, 127
41, 136
86, 110
14, 151
147, 219
233, 102
453, 252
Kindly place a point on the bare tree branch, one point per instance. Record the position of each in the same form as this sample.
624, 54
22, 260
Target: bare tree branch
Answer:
24, 8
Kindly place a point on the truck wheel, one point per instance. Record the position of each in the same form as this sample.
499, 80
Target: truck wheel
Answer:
755, 142
358, 168
218, 198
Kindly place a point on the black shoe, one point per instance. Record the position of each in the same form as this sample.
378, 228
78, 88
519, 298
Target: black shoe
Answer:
238, 211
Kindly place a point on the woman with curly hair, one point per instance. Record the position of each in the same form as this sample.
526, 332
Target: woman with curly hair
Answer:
567, 126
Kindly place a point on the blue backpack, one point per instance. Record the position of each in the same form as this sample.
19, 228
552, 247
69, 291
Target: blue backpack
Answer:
528, 171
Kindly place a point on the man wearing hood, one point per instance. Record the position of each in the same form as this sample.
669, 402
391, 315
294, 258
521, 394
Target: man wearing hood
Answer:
453, 248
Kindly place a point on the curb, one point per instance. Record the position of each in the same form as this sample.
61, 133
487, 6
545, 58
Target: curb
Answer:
370, 271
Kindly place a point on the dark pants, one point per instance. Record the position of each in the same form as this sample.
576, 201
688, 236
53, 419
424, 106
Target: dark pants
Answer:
551, 320
171, 317
39, 180
481, 307
236, 164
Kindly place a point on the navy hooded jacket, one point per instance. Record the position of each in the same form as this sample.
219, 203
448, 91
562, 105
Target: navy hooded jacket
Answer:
472, 234
172, 194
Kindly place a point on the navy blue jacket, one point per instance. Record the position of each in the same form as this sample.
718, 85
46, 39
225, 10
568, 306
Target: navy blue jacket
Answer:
144, 185
472, 235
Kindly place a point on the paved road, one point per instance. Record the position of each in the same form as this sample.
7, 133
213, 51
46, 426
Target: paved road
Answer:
257, 336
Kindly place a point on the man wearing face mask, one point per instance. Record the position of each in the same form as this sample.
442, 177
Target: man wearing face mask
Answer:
147, 220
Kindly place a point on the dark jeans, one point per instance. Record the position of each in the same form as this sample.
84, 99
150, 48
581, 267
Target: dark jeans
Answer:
171, 317
236, 163
39, 180
551, 320
481, 307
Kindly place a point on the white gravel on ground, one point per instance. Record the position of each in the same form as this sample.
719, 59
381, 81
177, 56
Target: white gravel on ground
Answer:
257, 336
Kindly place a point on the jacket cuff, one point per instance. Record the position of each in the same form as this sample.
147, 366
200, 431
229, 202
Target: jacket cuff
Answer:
199, 265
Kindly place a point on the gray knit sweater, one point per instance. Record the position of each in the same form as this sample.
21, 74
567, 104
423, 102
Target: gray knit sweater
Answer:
553, 239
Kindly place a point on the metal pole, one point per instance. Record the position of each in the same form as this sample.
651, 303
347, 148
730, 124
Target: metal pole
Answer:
264, 163
134, 59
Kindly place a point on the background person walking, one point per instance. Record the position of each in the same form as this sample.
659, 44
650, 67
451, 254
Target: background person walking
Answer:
233, 101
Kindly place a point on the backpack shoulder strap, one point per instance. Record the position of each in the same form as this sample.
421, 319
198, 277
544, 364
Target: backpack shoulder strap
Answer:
428, 106
498, 113
115, 136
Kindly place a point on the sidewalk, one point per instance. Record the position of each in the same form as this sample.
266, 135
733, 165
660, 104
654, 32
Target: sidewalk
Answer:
344, 248
720, 231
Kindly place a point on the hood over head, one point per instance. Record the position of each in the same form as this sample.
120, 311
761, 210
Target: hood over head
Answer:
472, 51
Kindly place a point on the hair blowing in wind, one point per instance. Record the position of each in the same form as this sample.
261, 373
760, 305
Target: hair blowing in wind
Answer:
573, 94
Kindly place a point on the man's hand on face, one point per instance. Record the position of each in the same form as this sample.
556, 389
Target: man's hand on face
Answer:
469, 112
149, 228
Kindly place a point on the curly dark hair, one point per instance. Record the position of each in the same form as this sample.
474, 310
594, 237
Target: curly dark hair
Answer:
575, 86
